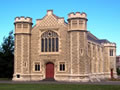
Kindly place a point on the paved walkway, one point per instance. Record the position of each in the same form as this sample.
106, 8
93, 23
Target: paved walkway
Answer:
55, 82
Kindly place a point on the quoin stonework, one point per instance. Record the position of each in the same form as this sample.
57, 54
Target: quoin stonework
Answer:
59, 50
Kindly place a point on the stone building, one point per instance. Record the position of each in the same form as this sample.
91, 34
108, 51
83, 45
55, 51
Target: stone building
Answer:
59, 50
118, 62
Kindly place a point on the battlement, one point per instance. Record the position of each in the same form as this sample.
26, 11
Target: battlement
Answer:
23, 19
109, 44
77, 15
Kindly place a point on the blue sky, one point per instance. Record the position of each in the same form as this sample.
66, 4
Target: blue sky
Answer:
103, 15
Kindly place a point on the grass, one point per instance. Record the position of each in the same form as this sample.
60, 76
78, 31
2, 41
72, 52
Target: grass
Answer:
57, 87
5, 79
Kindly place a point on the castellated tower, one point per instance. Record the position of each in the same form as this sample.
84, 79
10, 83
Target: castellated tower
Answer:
110, 60
23, 28
77, 27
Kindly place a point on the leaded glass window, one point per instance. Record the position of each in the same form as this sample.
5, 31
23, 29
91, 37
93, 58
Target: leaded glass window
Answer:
49, 42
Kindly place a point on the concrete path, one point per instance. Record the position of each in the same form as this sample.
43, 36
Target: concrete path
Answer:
55, 82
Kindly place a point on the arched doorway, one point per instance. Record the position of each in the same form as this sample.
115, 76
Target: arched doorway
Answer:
49, 70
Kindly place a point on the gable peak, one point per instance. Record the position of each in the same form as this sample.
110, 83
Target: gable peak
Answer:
49, 12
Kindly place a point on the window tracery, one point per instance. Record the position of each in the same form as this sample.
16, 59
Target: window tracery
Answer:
49, 42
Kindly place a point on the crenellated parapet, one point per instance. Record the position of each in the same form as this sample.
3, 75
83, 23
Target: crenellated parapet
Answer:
23, 25
77, 21
77, 15
23, 19
109, 44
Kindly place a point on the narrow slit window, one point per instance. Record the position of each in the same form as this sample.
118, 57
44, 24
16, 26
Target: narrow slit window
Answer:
53, 46
49, 44
111, 52
56, 44
38, 67
25, 25
45, 44
42, 45
19, 25
35, 67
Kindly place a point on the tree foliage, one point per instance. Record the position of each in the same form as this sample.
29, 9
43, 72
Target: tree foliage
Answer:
118, 71
7, 56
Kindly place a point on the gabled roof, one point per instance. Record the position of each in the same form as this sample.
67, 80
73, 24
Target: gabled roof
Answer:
50, 19
104, 41
93, 38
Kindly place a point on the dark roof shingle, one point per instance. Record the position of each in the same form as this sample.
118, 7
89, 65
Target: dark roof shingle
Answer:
93, 38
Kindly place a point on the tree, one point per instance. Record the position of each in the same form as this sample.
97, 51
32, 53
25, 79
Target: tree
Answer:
118, 71
8, 44
7, 56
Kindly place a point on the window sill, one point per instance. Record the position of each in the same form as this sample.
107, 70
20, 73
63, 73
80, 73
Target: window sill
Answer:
61, 71
49, 53
37, 71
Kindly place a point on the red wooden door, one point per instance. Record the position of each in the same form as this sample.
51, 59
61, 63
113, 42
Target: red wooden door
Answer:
49, 70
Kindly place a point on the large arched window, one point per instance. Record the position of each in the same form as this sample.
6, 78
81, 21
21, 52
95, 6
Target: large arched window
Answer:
49, 41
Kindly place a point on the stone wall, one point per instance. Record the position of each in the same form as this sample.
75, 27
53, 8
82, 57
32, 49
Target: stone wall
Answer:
84, 60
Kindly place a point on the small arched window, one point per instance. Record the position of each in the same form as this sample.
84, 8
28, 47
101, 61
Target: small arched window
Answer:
49, 42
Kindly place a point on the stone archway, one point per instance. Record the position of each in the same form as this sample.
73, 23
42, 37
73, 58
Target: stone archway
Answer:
49, 70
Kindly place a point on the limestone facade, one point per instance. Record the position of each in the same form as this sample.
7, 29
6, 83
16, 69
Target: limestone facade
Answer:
76, 54
118, 62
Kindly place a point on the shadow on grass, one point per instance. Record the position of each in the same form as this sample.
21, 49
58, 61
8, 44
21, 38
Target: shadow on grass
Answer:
5, 79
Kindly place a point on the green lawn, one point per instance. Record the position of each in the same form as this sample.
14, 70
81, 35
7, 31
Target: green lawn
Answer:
5, 79
57, 87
